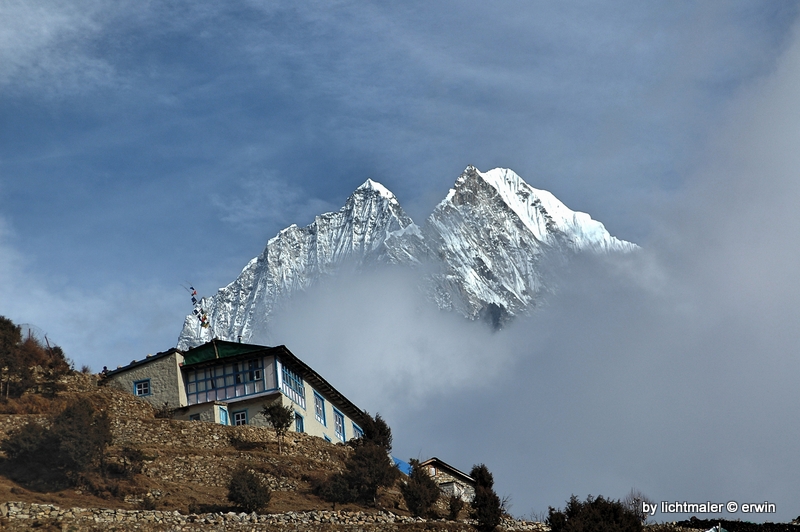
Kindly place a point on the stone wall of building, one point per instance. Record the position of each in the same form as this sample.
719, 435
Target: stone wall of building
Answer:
451, 485
166, 384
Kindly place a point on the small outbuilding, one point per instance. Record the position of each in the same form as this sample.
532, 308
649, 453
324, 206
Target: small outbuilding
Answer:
450, 480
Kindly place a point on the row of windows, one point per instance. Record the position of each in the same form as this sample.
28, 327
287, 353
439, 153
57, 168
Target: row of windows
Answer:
338, 419
225, 381
240, 418
245, 378
293, 386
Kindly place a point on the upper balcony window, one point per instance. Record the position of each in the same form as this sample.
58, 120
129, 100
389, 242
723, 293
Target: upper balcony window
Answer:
225, 381
293, 386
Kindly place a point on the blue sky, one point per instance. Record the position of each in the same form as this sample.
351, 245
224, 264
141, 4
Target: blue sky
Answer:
144, 145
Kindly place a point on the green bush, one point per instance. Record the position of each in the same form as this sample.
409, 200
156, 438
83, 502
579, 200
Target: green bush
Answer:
420, 491
597, 515
247, 491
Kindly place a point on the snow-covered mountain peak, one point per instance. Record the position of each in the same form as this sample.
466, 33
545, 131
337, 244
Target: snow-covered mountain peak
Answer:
546, 216
479, 253
369, 184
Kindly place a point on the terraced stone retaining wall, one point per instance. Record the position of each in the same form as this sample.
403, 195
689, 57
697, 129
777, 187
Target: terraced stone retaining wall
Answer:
17, 516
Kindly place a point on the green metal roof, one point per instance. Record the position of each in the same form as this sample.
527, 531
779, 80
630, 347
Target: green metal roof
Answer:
206, 354
217, 349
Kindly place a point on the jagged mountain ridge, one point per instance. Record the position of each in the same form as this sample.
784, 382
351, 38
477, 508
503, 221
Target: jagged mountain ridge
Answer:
485, 241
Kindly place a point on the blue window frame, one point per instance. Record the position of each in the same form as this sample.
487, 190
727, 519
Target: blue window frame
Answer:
319, 409
240, 417
357, 432
293, 386
327, 439
225, 381
298, 422
141, 388
338, 424
223, 415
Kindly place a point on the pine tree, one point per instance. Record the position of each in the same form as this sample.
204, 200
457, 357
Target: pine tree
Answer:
600, 514
368, 469
420, 491
16, 374
486, 506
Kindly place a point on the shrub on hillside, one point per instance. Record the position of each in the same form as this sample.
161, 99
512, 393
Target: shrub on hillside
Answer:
368, 468
334, 489
164, 412
130, 463
18, 357
419, 491
82, 434
74, 443
633, 502
376, 431
600, 515
454, 506
247, 491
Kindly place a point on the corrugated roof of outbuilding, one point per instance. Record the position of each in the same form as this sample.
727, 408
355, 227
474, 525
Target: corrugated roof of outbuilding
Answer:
436, 462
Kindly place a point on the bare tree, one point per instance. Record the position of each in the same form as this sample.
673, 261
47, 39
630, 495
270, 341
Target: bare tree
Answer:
633, 502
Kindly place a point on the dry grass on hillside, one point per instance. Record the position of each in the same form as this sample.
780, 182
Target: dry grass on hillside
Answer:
180, 465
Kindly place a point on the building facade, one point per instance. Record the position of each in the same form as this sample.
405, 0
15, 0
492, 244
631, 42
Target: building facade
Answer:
229, 383
449, 479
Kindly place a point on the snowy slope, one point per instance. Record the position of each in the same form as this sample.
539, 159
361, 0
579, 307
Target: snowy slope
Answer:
294, 259
484, 244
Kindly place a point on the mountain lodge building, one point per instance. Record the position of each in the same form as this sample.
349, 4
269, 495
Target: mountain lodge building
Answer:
229, 383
